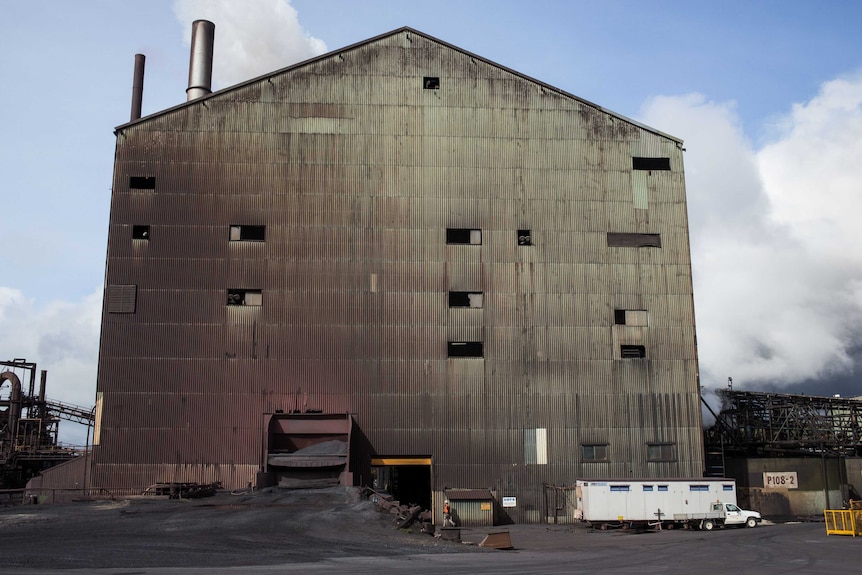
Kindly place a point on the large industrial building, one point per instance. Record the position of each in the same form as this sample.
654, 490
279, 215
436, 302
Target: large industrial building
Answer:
400, 265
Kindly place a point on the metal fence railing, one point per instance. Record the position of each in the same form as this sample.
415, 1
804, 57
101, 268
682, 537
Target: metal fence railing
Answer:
840, 522
844, 521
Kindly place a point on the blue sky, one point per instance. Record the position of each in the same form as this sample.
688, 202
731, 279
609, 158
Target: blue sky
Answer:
766, 94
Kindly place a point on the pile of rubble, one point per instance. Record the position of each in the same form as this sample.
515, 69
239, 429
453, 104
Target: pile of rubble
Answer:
181, 490
405, 516
408, 515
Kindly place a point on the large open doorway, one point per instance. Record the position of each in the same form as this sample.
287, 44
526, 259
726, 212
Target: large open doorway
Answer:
308, 450
407, 479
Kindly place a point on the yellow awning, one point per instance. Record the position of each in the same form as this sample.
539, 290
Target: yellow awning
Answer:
388, 461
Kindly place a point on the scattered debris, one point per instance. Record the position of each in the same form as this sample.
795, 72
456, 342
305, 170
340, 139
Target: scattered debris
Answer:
405, 515
177, 490
449, 534
498, 540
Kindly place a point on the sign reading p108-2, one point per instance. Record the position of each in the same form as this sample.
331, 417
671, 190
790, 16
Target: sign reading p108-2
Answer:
780, 479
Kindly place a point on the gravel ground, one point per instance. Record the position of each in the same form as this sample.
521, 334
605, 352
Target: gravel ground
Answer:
335, 531
264, 528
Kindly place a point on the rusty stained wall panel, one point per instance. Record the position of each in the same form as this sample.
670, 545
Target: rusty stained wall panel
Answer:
69, 478
356, 172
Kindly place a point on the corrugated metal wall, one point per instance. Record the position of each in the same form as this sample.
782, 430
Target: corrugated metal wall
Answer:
356, 171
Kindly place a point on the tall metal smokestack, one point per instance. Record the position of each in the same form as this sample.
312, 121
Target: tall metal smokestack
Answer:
43, 411
138, 86
201, 59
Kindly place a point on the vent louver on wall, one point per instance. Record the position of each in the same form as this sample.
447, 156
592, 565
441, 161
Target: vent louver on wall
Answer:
121, 298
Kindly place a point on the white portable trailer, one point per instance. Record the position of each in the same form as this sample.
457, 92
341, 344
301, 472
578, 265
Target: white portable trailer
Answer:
661, 502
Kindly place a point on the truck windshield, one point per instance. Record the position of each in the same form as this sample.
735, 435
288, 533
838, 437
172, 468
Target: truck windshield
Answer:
731, 507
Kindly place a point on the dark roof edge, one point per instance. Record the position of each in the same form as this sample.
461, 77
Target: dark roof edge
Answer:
384, 35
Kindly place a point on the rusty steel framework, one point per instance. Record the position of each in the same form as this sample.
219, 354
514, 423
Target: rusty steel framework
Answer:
757, 424
29, 424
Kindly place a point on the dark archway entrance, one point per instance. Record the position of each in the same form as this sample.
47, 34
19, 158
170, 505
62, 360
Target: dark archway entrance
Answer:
407, 479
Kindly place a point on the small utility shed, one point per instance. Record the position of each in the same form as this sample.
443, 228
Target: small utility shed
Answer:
472, 507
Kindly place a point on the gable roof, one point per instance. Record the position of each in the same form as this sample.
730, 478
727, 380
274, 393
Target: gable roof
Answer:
409, 30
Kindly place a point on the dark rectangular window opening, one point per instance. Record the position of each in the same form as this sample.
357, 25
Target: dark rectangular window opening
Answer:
651, 164
244, 233
466, 349
661, 452
142, 182
632, 351
140, 232
466, 299
525, 238
252, 297
620, 488
662, 487
698, 487
431, 83
464, 236
627, 240
633, 317
597, 452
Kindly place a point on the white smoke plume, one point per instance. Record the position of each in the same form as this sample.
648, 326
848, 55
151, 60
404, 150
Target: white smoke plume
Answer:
774, 234
711, 398
252, 37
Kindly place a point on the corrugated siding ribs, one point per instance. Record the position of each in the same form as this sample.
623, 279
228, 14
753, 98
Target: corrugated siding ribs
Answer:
356, 173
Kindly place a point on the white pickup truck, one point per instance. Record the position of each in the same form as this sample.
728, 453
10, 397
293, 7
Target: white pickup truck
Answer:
719, 514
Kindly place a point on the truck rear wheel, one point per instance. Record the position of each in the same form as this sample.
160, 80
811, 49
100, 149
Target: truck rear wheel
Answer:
751, 522
707, 525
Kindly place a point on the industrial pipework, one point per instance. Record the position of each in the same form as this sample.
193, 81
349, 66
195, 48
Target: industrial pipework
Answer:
201, 60
138, 87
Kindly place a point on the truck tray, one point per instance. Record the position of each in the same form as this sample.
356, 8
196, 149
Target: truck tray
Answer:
695, 516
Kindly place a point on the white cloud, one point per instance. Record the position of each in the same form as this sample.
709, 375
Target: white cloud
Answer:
9, 298
813, 173
60, 337
252, 37
778, 281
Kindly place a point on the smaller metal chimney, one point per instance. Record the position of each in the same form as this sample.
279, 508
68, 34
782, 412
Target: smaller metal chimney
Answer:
201, 60
138, 86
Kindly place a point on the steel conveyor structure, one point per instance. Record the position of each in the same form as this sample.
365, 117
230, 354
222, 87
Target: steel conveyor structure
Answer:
29, 424
770, 424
